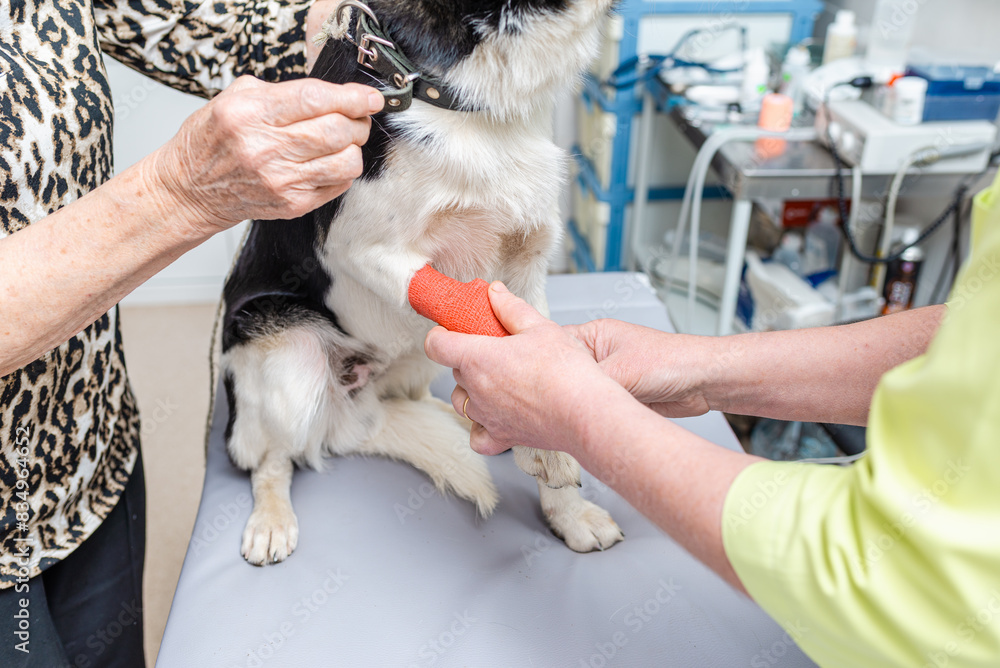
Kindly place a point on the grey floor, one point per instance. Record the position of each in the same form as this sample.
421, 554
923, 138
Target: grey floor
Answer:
166, 350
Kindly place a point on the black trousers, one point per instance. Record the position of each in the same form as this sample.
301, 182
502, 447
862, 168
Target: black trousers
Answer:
86, 611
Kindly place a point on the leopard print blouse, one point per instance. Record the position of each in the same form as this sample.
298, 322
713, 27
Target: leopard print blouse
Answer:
69, 427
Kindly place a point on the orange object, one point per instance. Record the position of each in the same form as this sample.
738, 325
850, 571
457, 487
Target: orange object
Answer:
458, 307
776, 116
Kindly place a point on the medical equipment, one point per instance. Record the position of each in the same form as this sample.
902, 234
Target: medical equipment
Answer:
693, 199
871, 143
644, 66
955, 91
866, 138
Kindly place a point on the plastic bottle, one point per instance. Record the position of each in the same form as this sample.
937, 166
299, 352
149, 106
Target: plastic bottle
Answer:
756, 74
902, 276
906, 100
891, 31
841, 37
822, 242
794, 71
789, 253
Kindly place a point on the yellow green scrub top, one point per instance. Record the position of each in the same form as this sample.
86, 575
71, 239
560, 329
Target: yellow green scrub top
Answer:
895, 561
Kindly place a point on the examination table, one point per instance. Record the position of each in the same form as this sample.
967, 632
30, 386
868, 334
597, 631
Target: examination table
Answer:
388, 572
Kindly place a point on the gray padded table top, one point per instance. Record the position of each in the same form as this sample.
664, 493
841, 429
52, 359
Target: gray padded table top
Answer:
390, 573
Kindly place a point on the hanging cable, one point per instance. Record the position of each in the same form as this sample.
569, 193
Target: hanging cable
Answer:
644, 67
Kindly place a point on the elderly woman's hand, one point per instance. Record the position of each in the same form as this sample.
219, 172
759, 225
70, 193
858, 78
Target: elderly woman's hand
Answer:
265, 151
667, 372
535, 388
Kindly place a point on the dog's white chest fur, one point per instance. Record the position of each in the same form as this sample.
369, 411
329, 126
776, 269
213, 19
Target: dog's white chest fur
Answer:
478, 198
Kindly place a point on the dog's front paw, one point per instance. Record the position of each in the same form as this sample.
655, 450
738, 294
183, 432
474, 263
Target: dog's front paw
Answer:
551, 468
271, 534
582, 525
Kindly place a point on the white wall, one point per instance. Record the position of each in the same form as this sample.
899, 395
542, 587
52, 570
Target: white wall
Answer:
147, 115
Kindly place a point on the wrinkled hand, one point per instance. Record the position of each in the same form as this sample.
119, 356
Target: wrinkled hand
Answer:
535, 388
267, 151
659, 369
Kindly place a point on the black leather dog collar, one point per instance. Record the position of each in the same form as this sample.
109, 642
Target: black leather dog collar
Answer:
378, 52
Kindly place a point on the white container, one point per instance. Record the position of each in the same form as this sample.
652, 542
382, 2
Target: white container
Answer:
889, 39
907, 97
782, 300
756, 74
841, 37
794, 71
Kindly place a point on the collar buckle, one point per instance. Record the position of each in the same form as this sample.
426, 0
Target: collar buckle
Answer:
368, 55
363, 38
380, 54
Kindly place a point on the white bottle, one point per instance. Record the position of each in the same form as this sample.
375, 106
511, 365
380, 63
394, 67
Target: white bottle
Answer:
756, 74
822, 242
841, 37
789, 253
793, 73
906, 100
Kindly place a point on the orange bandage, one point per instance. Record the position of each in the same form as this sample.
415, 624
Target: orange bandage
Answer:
458, 307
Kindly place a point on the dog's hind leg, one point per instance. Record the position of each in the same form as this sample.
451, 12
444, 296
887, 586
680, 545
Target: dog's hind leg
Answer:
426, 434
278, 392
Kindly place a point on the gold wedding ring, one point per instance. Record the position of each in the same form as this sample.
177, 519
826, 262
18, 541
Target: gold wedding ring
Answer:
464, 407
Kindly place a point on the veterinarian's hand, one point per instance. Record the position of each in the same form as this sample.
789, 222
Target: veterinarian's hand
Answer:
266, 151
659, 369
535, 388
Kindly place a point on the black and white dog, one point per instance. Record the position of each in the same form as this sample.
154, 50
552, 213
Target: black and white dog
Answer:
322, 354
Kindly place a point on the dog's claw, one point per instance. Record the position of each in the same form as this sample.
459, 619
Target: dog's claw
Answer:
269, 537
